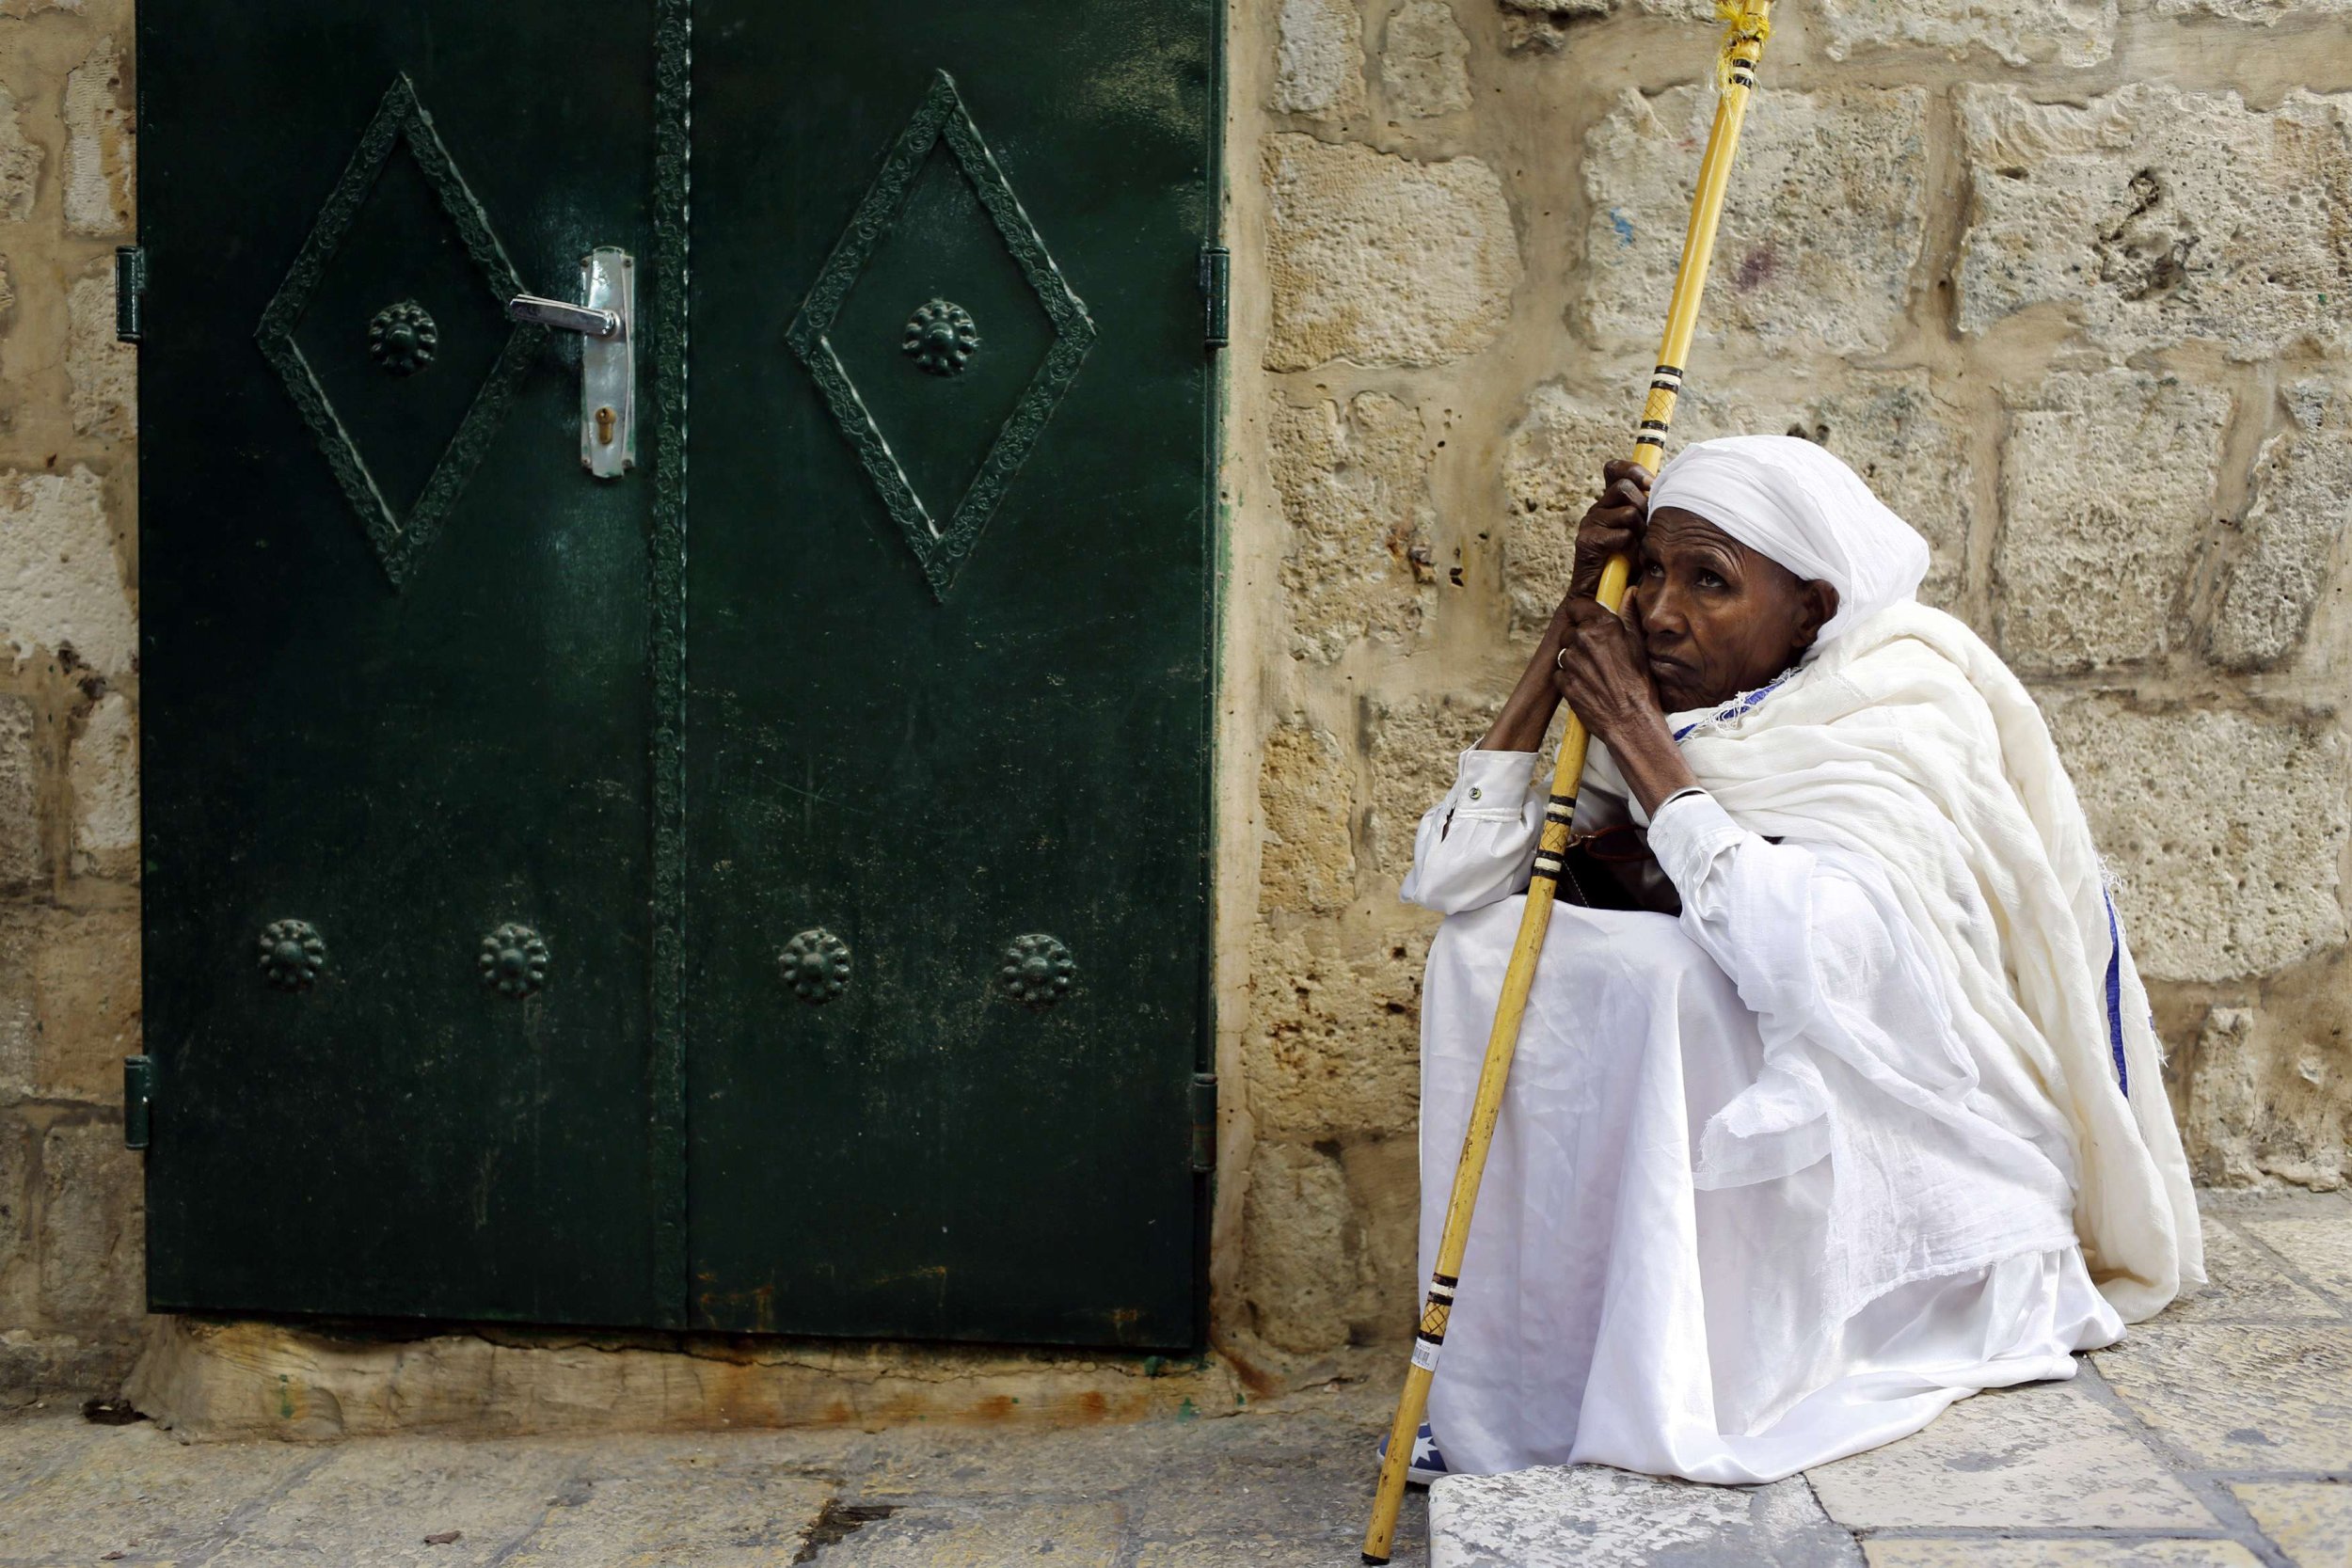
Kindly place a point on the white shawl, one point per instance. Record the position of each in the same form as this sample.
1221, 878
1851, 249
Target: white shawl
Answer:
1906, 742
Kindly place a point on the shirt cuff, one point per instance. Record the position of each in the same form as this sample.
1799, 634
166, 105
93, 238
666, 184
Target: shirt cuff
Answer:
1687, 834
1492, 784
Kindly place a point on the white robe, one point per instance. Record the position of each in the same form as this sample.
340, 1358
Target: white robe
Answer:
1779, 1180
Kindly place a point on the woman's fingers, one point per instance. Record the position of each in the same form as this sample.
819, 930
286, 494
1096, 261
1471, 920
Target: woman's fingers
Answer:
1599, 632
1602, 535
1605, 538
1613, 526
1600, 670
1627, 469
1626, 484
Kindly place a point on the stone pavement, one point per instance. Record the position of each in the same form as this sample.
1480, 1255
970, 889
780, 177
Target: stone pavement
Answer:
1284, 1483
2218, 1436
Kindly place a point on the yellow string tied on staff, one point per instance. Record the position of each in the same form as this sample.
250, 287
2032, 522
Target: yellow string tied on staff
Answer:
1743, 24
1747, 23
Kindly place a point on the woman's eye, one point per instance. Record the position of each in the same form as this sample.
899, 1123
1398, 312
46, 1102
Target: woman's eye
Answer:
1709, 580
1652, 572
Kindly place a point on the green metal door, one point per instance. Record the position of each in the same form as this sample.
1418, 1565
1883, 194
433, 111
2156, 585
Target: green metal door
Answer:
949, 593
396, 652
568, 903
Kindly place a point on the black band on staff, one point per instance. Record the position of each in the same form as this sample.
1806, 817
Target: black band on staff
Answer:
1647, 441
1654, 424
1548, 865
1428, 1339
1449, 1281
1671, 372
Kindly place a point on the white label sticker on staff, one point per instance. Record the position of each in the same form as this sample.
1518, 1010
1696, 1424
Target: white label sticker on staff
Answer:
1426, 1354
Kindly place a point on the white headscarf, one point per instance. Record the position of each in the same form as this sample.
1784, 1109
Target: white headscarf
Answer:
1793, 502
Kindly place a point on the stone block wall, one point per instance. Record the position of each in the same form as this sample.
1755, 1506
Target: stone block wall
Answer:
71, 1288
2068, 280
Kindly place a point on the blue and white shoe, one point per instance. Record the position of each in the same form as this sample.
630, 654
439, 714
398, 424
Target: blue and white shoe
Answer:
1429, 1463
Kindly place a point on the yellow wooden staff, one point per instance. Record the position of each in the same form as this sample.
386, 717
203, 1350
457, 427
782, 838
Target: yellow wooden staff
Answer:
1750, 24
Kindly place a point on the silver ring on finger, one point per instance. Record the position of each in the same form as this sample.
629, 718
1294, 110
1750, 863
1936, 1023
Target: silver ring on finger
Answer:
1560, 660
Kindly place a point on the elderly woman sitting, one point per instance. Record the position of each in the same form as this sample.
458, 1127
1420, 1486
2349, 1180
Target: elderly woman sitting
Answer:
1838, 1100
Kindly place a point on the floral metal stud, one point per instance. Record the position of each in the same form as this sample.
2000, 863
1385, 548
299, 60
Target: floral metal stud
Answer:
1037, 971
402, 337
816, 964
941, 337
514, 960
292, 952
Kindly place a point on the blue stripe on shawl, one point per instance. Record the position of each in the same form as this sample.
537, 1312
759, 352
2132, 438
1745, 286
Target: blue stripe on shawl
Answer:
2115, 997
1736, 709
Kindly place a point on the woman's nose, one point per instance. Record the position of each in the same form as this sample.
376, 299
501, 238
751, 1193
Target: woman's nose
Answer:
1662, 612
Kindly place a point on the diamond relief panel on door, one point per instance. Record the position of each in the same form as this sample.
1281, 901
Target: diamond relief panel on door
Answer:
390, 334
941, 333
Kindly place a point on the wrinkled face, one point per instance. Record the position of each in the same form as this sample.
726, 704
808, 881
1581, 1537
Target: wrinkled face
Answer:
1718, 619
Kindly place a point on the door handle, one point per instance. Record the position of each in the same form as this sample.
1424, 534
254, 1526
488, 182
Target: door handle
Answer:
564, 318
606, 321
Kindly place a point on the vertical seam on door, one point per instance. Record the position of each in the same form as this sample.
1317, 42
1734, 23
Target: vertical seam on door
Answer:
667, 1068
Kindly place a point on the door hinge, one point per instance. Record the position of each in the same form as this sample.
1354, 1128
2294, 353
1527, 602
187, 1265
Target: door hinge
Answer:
130, 291
1217, 293
1204, 1121
139, 1098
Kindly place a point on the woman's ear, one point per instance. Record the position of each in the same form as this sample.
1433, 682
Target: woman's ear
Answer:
1816, 602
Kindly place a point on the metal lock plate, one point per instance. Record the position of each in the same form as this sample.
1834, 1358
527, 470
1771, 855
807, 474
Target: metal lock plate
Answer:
608, 369
606, 320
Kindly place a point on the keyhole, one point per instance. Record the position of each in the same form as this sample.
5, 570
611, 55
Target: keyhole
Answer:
604, 425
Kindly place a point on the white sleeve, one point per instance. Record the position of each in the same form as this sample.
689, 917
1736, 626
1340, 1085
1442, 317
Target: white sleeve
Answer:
1801, 932
1822, 953
1478, 844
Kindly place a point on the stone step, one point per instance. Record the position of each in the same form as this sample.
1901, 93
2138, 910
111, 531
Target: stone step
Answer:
1591, 1516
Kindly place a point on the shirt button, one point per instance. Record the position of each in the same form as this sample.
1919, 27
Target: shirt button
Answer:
1475, 792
